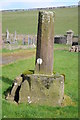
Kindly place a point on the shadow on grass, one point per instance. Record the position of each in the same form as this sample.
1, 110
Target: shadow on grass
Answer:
7, 81
8, 91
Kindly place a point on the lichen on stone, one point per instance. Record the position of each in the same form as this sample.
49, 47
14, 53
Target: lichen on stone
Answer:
27, 72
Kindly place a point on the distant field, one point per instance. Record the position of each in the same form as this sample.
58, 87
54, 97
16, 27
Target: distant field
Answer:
26, 22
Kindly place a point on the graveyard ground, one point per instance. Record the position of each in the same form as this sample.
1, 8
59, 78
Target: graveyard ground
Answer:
65, 62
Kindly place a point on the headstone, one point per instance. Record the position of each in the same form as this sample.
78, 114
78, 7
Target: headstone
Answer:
33, 40
45, 43
23, 42
15, 37
29, 40
7, 36
69, 37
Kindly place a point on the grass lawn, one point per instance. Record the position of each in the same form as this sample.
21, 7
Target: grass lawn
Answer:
26, 22
6, 51
65, 63
56, 46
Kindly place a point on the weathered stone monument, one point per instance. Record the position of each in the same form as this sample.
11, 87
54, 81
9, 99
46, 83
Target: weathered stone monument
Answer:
45, 43
41, 86
69, 37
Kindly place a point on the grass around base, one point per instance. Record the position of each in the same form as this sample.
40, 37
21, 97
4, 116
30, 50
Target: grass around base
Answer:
65, 62
37, 111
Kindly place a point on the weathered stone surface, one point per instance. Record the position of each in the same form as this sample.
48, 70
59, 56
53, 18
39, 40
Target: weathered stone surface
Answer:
75, 48
15, 88
42, 89
39, 89
45, 43
24, 92
69, 37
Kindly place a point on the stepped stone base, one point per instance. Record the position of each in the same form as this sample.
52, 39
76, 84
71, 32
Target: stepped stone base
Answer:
38, 89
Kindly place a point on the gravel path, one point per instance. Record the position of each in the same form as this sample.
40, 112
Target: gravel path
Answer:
12, 57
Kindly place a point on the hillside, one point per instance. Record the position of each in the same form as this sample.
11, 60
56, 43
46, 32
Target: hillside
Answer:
25, 22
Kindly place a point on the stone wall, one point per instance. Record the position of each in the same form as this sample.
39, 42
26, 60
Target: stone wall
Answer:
60, 39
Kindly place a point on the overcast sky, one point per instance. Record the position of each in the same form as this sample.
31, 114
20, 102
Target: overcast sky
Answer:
26, 4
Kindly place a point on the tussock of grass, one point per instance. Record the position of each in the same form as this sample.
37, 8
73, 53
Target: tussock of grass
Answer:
68, 101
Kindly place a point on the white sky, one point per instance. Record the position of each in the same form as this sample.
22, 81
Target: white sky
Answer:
26, 4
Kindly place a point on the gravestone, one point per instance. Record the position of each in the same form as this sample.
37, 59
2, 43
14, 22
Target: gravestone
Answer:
7, 34
29, 40
34, 40
69, 37
15, 39
23, 41
7, 37
45, 43
41, 86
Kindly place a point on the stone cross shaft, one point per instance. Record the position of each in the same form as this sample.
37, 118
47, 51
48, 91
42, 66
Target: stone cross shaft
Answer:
45, 41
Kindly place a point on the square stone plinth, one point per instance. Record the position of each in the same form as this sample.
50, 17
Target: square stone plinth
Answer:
42, 89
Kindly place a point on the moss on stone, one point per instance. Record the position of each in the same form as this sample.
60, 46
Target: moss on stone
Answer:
68, 101
57, 75
27, 72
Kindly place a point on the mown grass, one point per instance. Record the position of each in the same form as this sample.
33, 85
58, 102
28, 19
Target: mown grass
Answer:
65, 63
26, 22
4, 50
37, 111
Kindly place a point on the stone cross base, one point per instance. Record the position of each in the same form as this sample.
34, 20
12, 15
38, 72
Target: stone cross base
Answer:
38, 89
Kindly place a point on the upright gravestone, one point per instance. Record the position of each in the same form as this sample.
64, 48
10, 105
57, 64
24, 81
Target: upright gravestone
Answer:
34, 40
45, 43
15, 37
23, 41
7, 36
69, 37
29, 40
